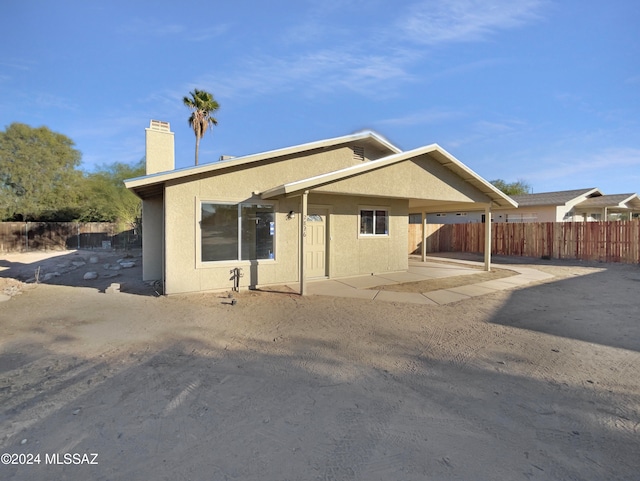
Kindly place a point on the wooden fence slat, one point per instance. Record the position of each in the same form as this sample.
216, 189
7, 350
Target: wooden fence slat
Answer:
608, 241
23, 236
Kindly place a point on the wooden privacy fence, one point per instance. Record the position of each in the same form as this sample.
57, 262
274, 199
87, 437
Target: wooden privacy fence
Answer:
26, 236
611, 241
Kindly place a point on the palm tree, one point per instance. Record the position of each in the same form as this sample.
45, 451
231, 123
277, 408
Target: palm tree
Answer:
202, 106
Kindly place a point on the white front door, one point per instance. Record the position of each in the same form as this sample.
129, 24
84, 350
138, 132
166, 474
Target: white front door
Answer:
316, 243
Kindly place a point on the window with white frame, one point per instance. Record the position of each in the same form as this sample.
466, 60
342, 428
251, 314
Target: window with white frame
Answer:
374, 222
231, 232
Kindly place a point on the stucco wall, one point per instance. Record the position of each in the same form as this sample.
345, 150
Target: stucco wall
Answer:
422, 177
152, 222
352, 254
159, 151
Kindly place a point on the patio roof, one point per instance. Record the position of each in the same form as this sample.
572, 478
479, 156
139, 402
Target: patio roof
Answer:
433, 151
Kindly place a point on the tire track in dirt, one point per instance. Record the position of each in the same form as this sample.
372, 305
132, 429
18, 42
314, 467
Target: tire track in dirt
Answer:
351, 455
65, 383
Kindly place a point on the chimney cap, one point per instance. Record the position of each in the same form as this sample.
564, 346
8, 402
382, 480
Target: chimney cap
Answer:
159, 125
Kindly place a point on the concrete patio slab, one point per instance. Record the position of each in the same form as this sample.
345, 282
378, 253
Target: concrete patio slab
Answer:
366, 282
401, 277
497, 285
472, 290
404, 297
363, 287
335, 289
445, 296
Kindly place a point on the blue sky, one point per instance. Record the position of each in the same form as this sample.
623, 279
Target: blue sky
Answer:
540, 90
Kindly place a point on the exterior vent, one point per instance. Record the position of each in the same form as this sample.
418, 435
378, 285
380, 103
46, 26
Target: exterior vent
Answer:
358, 153
160, 126
227, 157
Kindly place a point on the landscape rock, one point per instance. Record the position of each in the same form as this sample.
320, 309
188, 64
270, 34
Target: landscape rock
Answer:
93, 260
90, 276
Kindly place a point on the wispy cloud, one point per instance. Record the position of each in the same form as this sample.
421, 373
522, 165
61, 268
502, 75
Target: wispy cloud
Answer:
482, 130
202, 35
425, 117
373, 62
317, 72
154, 28
633, 80
16, 64
604, 168
150, 27
439, 21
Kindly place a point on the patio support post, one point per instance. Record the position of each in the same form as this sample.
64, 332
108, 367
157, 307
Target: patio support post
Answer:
487, 238
424, 236
303, 235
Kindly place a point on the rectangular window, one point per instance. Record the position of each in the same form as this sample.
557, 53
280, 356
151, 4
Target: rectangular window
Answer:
237, 232
374, 222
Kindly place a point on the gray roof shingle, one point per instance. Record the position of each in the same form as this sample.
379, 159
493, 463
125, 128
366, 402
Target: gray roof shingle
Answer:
552, 198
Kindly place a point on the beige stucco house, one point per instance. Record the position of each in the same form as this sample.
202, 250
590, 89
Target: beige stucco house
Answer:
327, 209
577, 205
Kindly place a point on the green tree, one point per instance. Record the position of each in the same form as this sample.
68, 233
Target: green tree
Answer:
202, 106
518, 187
37, 171
106, 199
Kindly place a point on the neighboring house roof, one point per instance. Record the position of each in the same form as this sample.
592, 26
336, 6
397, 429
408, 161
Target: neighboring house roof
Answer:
144, 186
435, 151
623, 201
553, 198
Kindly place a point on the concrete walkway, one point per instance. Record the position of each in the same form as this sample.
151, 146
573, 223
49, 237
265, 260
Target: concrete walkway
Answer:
360, 286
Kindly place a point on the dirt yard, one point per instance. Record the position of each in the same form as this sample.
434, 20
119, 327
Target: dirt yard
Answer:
539, 383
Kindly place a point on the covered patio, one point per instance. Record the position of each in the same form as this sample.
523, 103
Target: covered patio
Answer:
427, 179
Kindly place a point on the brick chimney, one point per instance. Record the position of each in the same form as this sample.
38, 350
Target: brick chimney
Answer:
160, 150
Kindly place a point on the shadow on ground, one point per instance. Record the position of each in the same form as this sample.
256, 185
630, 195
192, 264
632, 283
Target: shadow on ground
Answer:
69, 268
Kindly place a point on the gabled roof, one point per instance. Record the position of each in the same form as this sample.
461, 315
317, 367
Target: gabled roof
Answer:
435, 152
624, 201
553, 198
144, 186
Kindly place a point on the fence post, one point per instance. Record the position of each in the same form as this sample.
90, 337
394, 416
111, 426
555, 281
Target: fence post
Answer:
26, 236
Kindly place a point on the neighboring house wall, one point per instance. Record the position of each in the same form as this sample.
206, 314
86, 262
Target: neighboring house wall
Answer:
561, 211
527, 214
459, 217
